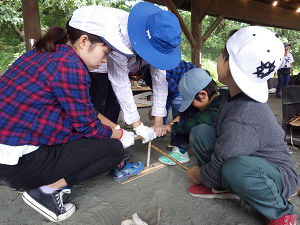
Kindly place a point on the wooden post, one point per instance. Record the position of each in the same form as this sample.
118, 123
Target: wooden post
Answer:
212, 28
196, 32
31, 19
184, 28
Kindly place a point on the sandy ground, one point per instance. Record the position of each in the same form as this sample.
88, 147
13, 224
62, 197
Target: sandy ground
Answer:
100, 201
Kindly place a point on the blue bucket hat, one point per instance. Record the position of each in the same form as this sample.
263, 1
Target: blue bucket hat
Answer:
155, 35
190, 84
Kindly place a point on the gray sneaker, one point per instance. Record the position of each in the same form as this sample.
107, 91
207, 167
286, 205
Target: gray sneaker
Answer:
49, 205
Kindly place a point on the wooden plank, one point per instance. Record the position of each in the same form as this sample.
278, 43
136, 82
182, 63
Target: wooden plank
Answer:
256, 13
139, 88
202, 7
141, 99
249, 11
152, 168
139, 105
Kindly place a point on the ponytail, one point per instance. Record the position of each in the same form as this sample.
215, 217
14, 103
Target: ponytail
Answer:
54, 36
59, 35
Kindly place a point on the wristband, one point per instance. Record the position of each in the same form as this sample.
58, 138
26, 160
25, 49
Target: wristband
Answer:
121, 134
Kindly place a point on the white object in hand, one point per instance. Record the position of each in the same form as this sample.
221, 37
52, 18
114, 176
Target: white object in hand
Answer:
127, 138
147, 133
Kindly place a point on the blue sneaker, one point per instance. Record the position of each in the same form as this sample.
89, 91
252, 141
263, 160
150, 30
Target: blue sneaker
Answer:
129, 170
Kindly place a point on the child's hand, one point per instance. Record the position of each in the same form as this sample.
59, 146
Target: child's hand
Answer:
194, 174
169, 127
176, 119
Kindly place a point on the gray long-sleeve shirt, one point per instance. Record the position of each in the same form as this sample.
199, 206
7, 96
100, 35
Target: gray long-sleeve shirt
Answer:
249, 128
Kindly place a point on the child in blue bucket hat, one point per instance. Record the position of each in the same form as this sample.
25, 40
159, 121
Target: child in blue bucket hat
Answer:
153, 35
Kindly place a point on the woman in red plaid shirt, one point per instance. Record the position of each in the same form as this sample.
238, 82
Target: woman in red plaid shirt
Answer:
51, 136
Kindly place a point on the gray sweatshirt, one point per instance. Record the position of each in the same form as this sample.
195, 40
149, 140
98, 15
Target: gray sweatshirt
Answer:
249, 128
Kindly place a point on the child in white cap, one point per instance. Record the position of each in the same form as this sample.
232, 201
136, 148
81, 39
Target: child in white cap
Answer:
198, 112
51, 136
250, 159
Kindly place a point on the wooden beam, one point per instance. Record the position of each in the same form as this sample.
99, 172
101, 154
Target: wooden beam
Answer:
179, 3
256, 13
205, 5
196, 32
248, 11
212, 28
31, 19
184, 28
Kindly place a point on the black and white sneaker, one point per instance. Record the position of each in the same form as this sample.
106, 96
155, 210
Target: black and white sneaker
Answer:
49, 205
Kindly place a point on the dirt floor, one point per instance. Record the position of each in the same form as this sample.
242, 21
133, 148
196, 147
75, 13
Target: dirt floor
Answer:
100, 201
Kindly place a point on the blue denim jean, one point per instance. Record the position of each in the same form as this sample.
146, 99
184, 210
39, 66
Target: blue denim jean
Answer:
175, 105
283, 80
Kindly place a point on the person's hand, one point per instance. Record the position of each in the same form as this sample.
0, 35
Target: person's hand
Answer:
176, 119
160, 129
147, 133
194, 174
169, 127
127, 138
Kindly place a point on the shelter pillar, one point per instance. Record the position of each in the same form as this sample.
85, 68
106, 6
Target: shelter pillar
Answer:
31, 19
196, 32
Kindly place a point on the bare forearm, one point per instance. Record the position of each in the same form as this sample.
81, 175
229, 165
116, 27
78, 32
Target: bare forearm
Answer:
106, 121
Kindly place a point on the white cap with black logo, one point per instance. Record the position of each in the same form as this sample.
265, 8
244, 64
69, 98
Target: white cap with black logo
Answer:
255, 54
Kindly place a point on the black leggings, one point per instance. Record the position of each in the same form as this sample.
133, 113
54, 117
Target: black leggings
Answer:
103, 96
75, 161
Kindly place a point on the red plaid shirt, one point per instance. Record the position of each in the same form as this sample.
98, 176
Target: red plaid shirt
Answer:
44, 100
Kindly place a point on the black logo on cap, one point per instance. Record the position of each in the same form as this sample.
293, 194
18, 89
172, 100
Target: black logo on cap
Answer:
264, 69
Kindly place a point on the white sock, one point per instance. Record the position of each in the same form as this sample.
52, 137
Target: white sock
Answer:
47, 189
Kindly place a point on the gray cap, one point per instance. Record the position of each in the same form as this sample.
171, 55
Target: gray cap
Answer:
190, 84
286, 44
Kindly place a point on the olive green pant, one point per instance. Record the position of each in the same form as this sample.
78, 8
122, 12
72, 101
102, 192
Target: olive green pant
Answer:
254, 179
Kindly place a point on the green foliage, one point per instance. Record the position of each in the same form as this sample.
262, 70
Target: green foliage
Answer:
11, 12
8, 54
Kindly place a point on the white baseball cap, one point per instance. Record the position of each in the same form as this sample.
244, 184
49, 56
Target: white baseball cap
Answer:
255, 54
99, 21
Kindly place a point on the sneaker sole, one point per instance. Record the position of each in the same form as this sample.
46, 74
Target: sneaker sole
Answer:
172, 163
46, 212
215, 196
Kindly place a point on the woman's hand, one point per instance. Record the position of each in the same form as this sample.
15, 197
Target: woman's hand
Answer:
159, 127
176, 119
169, 127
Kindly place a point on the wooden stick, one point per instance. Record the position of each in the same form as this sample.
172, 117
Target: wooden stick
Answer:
137, 138
149, 154
158, 216
174, 160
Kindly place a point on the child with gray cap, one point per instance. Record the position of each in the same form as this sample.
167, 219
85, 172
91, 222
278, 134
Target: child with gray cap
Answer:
250, 160
198, 113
